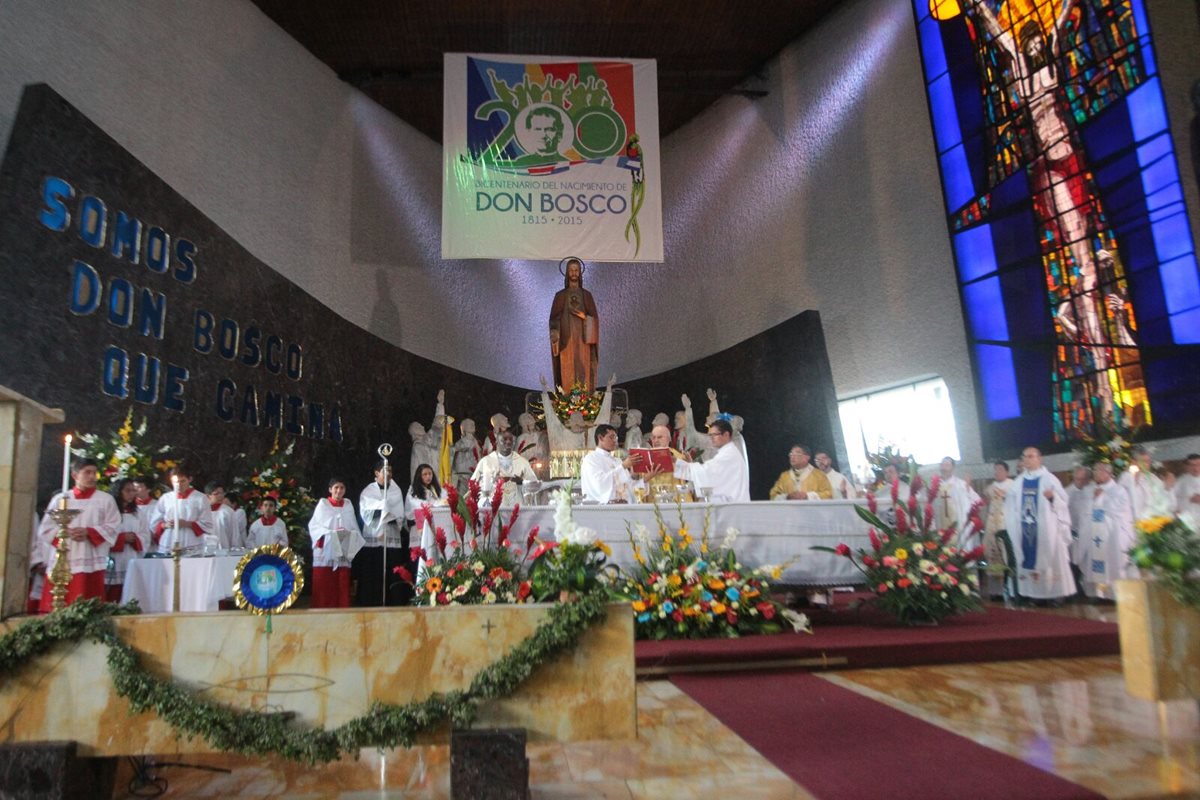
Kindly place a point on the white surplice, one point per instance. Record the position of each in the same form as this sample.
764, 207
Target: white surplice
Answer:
725, 474
194, 518
99, 514
381, 519
1040, 530
492, 467
336, 537
603, 478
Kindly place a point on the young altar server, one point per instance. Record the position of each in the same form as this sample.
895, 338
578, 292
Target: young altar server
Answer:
224, 520
144, 499
91, 535
336, 539
268, 528
183, 512
383, 528
133, 539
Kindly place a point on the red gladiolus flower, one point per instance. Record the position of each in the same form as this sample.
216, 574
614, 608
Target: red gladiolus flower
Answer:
498, 495
531, 538
881, 588
875, 543
473, 490
523, 590
928, 515
869, 562
916, 484
460, 524
516, 512
872, 504
417, 553
440, 538
452, 498
895, 491
934, 486
487, 521
843, 550
901, 520
402, 573
912, 506
504, 535
767, 610
904, 583
543, 548
473, 510
948, 534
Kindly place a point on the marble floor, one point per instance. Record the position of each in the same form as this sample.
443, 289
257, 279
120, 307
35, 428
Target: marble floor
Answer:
1070, 716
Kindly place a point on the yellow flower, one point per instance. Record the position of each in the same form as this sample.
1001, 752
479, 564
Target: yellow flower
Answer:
704, 547
686, 539
131, 460
638, 557
718, 608
639, 605
604, 548
283, 502
433, 584
716, 584
278, 481
901, 553
777, 573
1153, 524
674, 580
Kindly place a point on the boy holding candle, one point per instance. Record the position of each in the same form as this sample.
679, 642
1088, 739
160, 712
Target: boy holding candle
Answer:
182, 515
90, 535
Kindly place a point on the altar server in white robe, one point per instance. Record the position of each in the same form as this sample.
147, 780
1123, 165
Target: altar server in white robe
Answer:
725, 475
1146, 490
603, 477
383, 529
91, 534
1106, 536
268, 528
1187, 488
336, 540
1039, 524
953, 503
132, 540
225, 526
504, 463
1079, 494
843, 487
183, 510
145, 500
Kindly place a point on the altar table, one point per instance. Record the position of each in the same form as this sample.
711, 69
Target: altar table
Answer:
203, 583
770, 533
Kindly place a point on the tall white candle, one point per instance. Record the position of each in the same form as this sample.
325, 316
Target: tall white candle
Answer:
176, 542
66, 464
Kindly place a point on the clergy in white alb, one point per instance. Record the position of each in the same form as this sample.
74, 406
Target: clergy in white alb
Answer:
183, 511
724, 477
952, 504
1039, 524
993, 523
603, 478
90, 535
1187, 488
1079, 494
1106, 536
336, 540
843, 487
503, 463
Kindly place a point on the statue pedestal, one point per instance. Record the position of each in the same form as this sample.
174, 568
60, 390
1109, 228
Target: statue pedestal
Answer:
1160, 642
21, 423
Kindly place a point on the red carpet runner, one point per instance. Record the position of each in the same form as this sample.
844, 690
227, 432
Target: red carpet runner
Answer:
840, 745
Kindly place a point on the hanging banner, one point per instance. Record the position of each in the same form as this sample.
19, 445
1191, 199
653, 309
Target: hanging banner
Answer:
547, 157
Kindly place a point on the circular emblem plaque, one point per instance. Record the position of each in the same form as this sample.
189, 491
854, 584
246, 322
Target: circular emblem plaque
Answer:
268, 580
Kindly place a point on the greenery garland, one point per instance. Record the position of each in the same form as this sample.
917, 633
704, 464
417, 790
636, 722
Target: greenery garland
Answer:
257, 733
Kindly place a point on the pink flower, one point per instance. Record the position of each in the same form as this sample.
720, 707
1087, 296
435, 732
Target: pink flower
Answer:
872, 504
542, 548
416, 553
890, 561
875, 543
440, 538
882, 588
869, 562
402, 573
531, 538
843, 550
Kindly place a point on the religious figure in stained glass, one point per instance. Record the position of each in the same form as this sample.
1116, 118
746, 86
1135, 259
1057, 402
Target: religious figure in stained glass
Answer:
1047, 66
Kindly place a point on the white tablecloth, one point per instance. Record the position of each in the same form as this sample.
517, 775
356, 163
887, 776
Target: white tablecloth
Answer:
203, 582
770, 532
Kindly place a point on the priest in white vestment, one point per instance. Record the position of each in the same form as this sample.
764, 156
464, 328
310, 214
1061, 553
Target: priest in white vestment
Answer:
1079, 495
724, 477
952, 504
1106, 536
843, 487
1146, 490
504, 463
993, 523
1039, 524
603, 477
1187, 488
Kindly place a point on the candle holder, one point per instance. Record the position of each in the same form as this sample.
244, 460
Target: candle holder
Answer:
60, 575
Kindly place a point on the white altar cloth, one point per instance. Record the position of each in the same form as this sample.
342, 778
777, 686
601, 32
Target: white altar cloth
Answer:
770, 532
203, 583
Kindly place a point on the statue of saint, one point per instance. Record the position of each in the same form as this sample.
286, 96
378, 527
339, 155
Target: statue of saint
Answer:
574, 331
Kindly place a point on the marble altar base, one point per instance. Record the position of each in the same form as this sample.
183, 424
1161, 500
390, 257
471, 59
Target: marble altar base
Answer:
327, 666
1160, 642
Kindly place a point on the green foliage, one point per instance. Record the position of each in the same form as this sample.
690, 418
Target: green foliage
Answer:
1169, 549
255, 733
569, 567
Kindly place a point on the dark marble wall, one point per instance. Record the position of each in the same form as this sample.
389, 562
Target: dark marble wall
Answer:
778, 380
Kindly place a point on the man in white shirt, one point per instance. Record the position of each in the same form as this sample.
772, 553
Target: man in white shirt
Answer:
503, 463
843, 488
724, 476
1187, 488
602, 477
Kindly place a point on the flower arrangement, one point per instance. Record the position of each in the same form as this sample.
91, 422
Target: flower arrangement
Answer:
906, 465
479, 565
577, 399
122, 453
574, 563
1110, 443
273, 477
1169, 549
918, 573
684, 591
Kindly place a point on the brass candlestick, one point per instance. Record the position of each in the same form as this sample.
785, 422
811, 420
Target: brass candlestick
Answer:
176, 555
60, 575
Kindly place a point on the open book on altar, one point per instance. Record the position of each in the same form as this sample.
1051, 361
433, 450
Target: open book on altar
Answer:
652, 457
